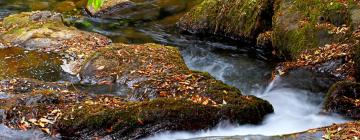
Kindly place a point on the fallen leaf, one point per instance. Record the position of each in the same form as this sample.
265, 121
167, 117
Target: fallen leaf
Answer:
46, 130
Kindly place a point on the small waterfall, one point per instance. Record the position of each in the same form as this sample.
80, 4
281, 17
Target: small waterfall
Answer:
272, 84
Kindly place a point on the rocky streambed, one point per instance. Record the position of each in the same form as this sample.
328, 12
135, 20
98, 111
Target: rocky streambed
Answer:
113, 73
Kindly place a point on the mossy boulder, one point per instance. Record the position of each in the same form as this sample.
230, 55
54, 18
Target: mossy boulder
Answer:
137, 9
44, 30
44, 36
76, 115
152, 71
303, 25
344, 98
318, 35
164, 95
237, 19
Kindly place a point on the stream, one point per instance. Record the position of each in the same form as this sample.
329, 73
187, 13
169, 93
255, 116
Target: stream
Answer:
296, 98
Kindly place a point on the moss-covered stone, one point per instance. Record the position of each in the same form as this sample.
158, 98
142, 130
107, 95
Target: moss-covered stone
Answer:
318, 35
44, 31
164, 95
238, 19
344, 98
303, 25
136, 120
76, 115
139, 9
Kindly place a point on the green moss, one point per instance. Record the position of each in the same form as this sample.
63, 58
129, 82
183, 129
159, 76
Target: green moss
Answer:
230, 18
16, 62
173, 114
19, 20
296, 25
331, 90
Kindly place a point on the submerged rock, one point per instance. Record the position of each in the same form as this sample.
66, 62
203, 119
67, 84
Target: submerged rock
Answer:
344, 98
237, 19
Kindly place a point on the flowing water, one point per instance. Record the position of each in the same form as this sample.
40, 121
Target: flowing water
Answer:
296, 98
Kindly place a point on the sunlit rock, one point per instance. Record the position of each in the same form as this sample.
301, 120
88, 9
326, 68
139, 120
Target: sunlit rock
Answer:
44, 37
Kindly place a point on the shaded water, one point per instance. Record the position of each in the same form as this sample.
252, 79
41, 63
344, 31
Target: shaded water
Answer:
296, 98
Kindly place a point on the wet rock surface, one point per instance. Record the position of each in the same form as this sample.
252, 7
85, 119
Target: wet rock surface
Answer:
44, 36
335, 60
44, 30
343, 98
304, 25
237, 19
336, 131
24, 86
144, 10
324, 40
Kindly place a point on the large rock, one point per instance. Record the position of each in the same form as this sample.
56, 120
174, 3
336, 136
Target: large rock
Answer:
320, 36
302, 25
80, 116
39, 32
164, 95
43, 30
344, 98
138, 9
237, 19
